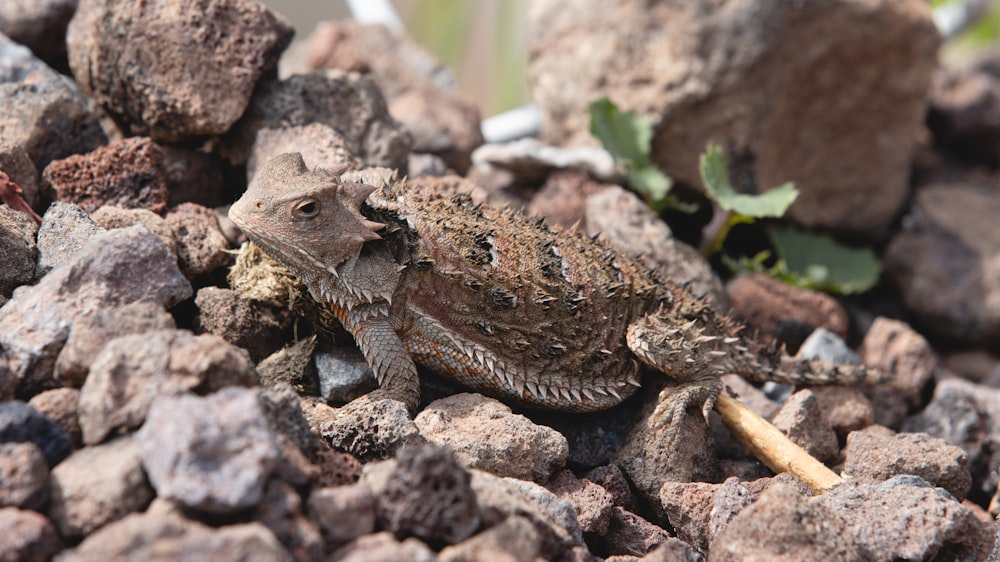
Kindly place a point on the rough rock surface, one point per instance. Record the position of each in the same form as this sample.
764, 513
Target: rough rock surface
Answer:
202, 249
343, 513
801, 419
59, 405
752, 77
110, 217
124, 174
321, 146
592, 502
39, 25
212, 453
192, 78
945, 261
349, 103
41, 111
65, 230
253, 325
193, 176
16, 163
27, 535
343, 374
20, 423
420, 90
18, 249
132, 371
485, 434
369, 429
24, 476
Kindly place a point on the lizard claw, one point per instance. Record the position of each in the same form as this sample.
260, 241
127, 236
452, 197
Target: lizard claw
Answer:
673, 404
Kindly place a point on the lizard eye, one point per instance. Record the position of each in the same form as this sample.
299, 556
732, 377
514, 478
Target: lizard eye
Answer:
307, 208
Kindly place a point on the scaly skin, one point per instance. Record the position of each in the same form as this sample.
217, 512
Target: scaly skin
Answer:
495, 300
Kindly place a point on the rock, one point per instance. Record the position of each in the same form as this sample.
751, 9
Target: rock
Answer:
824, 345
27, 536
368, 428
629, 533
16, 163
65, 230
512, 540
554, 519
484, 434
38, 25
343, 374
24, 476
337, 468
202, 249
698, 511
421, 164
612, 479
291, 365
125, 174
20, 423
964, 114
18, 249
321, 146
800, 418
256, 326
896, 349
709, 74
132, 371
91, 332
349, 103
213, 453
343, 513
98, 485
630, 226
34, 327
384, 546
161, 535
110, 217
562, 199
943, 258
532, 159
193, 176
787, 313
59, 405
871, 458
420, 90
844, 408
194, 76
42, 112
592, 502
281, 512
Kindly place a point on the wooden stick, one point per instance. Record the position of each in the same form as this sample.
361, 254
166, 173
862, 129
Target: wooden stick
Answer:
772, 448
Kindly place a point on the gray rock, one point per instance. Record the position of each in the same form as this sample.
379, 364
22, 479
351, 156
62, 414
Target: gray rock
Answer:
20, 423
162, 535
38, 24
384, 546
532, 159
24, 476
348, 102
211, 454
65, 230
27, 535
515, 538
629, 533
16, 163
368, 428
18, 249
110, 217
202, 249
98, 485
41, 111
105, 273
801, 420
343, 374
282, 512
824, 345
485, 434
132, 371
321, 146
257, 326
592, 503
193, 77
343, 513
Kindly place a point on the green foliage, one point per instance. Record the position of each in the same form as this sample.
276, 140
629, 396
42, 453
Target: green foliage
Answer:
715, 176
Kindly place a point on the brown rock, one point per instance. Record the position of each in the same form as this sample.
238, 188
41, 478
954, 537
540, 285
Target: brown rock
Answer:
592, 502
349, 103
343, 513
844, 408
91, 332
943, 258
384, 546
18, 249
34, 328
708, 73
787, 313
896, 349
16, 163
39, 25
193, 176
110, 217
688, 507
202, 249
965, 111
132, 371
321, 146
281, 511
612, 479
630, 533
27, 536
253, 325
871, 458
512, 540
98, 485
125, 174
366, 428
562, 199
484, 434
65, 230
192, 78
42, 112
336, 468
419, 90
59, 405
162, 535
801, 419
24, 476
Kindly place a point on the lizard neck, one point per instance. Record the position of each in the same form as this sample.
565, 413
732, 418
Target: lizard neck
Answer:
371, 277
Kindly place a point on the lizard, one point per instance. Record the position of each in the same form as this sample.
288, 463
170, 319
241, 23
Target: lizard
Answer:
499, 301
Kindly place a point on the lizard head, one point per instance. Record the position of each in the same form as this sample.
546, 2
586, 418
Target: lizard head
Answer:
306, 220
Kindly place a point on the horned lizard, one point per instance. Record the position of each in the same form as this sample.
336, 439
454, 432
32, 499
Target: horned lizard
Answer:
496, 300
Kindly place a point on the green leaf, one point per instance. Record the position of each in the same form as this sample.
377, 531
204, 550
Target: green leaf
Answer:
817, 261
715, 176
624, 134
649, 182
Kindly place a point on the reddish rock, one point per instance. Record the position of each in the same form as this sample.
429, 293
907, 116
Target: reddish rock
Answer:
343, 513
253, 325
513, 539
844, 408
321, 146
125, 174
24, 476
484, 434
192, 78
801, 419
16, 163
110, 217
18, 250
612, 479
194, 176
384, 546
592, 502
630, 533
896, 349
202, 249
368, 428
562, 199
27, 535
282, 512
59, 405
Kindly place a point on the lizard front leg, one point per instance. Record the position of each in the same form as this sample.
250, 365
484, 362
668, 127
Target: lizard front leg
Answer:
682, 353
385, 353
